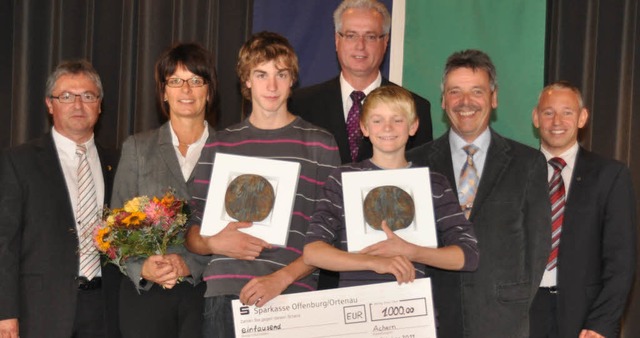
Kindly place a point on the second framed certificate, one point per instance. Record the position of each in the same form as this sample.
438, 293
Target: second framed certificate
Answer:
401, 197
251, 189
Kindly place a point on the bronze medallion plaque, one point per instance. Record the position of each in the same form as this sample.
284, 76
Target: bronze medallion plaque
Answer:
249, 198
388, 203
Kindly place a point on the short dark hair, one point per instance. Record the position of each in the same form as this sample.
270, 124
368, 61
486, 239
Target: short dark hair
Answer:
474, 59
74, 67
264, 47
197, 60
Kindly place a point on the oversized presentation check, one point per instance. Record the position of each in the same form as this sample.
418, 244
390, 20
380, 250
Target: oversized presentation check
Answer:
386, 310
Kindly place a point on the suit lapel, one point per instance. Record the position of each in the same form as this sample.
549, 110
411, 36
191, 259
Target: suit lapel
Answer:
107, 161
335, 116
440, 160
210, 139
48, 164
580, 188
497, 161
168, 153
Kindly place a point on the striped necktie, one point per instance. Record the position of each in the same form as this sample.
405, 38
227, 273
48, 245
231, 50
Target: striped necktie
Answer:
468, 181
87, 216
353, 124
557, 197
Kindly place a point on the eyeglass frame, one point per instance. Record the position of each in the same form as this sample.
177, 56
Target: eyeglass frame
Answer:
82, 97
188, 81
368, 37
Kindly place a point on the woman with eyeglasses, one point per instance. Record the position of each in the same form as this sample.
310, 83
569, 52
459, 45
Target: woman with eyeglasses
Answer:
159, 299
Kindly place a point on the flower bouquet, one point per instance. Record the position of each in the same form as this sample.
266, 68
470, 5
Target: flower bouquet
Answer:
143, 227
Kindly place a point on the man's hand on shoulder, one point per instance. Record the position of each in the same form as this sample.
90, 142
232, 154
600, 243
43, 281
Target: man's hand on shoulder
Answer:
9, 328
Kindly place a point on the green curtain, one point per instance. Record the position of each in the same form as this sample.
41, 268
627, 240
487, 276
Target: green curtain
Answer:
512, 32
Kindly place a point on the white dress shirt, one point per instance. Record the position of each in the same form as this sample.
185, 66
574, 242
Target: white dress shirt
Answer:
189, 161
347, 89
550, 277
459, 156
69, 161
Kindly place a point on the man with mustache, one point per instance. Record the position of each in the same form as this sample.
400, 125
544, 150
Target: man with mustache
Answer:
502, 187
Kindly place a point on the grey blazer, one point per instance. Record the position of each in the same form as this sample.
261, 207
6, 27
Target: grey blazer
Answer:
511, 218
149, 166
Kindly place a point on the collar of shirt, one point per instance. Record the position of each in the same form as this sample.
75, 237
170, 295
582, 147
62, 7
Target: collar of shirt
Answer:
202, 139
66, 151
346, 90
550, 277
569, 157
189, 161
459, 156
67, 148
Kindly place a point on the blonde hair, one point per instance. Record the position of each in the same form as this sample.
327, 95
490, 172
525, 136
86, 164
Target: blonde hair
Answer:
395, 97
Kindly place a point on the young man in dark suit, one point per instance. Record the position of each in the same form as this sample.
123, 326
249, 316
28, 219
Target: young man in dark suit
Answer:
502, 188
362, 37
585, 286
52, 281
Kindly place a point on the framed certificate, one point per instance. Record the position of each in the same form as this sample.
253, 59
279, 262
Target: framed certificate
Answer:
251, 189
401, 197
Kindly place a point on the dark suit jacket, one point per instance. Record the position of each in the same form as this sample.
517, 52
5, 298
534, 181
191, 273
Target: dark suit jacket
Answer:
511, 218
39, 244
321, 105
597, 254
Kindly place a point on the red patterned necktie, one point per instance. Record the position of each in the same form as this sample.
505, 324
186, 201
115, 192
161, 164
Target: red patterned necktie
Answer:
557, 196
353, 124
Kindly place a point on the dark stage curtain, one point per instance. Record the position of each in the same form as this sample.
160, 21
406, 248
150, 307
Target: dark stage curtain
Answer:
595, 44
592, 43
122, 39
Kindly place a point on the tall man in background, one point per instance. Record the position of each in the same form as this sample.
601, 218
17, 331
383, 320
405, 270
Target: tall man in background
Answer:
53, 189
362, 36
590, 270
502, 187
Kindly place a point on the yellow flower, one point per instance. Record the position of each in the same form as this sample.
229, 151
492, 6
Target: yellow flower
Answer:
133, 205
134, 219
102, 244
168, 200
111, 220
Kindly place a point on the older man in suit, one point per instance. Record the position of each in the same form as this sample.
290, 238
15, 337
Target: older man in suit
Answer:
52, 282
590, 270
502, 188
362, 35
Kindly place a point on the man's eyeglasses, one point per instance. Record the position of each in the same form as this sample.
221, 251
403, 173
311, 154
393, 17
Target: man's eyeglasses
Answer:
67, 97
176, 82
353, 37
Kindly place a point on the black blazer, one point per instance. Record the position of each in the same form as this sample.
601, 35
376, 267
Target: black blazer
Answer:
512, 221
321, 105
39, 244
597, 253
